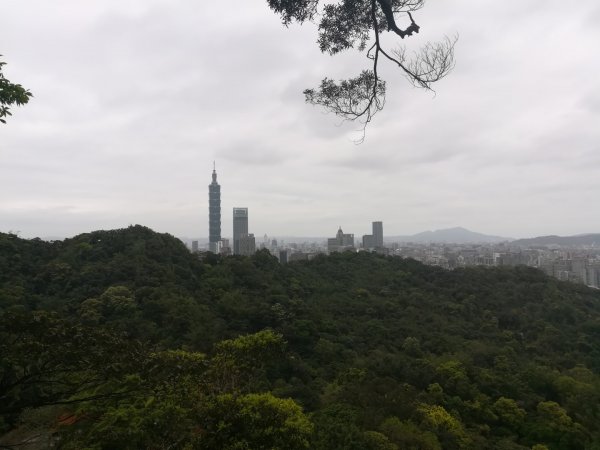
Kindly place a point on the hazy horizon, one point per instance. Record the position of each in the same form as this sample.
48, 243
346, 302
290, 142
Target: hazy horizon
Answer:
259, 236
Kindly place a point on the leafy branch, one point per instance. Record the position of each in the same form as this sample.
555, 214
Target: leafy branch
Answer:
11, 94
350, 24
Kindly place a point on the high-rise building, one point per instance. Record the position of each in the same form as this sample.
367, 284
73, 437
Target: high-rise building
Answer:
378, 234
283, 256
368, 242
247, 245
240, 227
214, 213
374, 241
340, 242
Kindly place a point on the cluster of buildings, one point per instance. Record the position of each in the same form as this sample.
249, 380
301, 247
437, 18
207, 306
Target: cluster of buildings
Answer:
576, 268
576, 264
579, 265
344, 242
243, 242
341, 242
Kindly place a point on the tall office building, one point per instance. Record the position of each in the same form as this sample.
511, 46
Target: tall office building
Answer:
378, 234
367, 242
214, 213
375, 240
240, 227
340, 242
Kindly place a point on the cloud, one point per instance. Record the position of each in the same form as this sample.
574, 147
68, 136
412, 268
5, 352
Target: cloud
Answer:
133, 101
252, 153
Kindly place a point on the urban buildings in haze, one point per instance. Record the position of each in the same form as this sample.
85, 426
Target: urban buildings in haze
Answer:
340, 242
214, 213
579, 265
247, 245
375, 240
244, 243
240, 227
378, 234
225, 249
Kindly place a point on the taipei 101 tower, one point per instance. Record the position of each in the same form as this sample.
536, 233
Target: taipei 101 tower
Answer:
214, 213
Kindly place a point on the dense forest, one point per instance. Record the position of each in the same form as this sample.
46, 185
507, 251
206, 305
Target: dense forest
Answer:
123, 339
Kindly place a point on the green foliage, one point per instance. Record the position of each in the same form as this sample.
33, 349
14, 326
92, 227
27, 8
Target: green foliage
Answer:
47, 360
509, 413
407, 435
238, 363
177, 399
336, 427
114, 304
449, 429
130, 425
127, 340
10, 94
253, 421
378, 441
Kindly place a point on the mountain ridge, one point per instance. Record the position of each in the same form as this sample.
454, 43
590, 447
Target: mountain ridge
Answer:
579, 239
454, 235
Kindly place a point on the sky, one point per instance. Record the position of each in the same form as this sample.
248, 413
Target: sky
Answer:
135, 99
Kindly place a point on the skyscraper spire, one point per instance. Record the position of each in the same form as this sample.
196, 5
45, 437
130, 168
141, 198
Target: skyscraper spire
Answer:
214, 212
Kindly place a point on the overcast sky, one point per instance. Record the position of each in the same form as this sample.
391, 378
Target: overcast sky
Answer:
134, 99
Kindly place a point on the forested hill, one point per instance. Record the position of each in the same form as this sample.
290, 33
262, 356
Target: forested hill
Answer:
566, 241
123, 339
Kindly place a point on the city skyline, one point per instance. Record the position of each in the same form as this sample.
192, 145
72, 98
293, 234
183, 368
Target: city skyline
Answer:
508, 146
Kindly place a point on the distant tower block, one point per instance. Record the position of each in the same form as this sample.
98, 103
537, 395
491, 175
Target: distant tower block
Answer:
214, 213
378, 234
240, 227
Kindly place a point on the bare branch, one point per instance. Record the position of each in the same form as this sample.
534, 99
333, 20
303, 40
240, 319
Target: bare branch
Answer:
407, 5
351, 99
430, 64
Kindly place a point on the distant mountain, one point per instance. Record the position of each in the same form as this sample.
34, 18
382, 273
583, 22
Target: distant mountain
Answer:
566, 241
457, 235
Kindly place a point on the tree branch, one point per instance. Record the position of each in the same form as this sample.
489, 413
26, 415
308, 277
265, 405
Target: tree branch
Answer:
388, 11
348, 24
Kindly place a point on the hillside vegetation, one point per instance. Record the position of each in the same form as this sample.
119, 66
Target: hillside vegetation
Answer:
123, 339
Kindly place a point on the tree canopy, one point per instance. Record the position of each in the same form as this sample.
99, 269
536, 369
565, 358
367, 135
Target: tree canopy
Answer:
125, 339
358, 24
